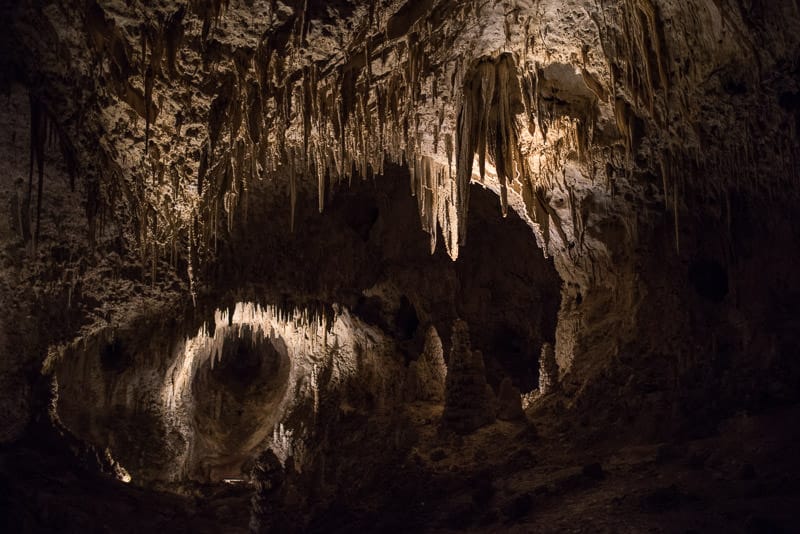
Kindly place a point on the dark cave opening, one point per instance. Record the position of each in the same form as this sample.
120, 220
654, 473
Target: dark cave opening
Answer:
245, 358
361, 217
235, 402
370, 310
515, 353
367, 251
406, 320
511, 313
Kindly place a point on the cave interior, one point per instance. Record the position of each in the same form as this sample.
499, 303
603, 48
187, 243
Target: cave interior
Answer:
279, 266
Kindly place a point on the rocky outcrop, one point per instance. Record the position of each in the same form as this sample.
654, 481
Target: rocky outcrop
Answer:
469, 402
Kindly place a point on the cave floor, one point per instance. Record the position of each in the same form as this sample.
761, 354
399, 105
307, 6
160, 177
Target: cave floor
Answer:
541, 475
548, 476
42, 494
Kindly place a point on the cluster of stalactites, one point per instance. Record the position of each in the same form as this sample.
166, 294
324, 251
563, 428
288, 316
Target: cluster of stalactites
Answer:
653, 101
487, 125
351, 128
327, 124
287, 443
348, 130
305, 331
435, 189
330, 124
268, 321
44, 133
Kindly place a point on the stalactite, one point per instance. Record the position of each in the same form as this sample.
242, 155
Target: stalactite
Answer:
292, 189
154, 254
39, 193
675, 218
38, 136
487, 121
665, 178
466, 143
542, 216
173, 37
148, 102
504, 126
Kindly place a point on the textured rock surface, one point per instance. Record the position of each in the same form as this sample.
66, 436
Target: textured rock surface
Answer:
633, 119
548, 370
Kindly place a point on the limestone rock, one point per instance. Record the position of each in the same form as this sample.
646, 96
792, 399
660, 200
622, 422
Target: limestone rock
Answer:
469, 403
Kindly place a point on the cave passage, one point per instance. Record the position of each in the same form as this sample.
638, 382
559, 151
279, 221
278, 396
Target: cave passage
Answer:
236, 393
367, 252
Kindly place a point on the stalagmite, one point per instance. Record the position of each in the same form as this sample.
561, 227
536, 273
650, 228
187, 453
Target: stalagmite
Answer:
425, 379
469, 401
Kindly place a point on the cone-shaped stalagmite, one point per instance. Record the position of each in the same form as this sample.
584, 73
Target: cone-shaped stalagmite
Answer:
468, 400
425, 379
